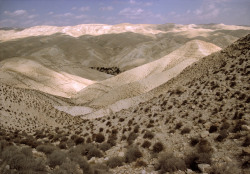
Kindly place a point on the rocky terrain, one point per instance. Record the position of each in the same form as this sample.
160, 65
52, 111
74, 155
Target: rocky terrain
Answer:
185, 112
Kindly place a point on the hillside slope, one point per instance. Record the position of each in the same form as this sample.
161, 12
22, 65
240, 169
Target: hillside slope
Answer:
144, 78
25, 73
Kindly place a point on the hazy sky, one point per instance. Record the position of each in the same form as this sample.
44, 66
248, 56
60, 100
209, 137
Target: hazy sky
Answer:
25, 13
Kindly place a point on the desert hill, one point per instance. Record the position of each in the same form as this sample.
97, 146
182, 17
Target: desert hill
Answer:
198, 121
125, 46
144, 78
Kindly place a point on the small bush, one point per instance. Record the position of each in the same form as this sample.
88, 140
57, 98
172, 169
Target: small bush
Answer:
99, 138
132, 154
225, 125
246, 141
141, 163
170, 163
213, 129
46, 148
223, 134
136, 129
192, 160
158, 147
67, 167
185, 130
227, 168
115, 162
178, 125
112, 140
62, 145
148, 135
204, 146
57, 157
131, 137
79, 140
146, 144
105, 146
84, 165
238, 126
194, 141
91, 150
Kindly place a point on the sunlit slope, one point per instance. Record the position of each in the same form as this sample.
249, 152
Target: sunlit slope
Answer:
25, 73
146, 77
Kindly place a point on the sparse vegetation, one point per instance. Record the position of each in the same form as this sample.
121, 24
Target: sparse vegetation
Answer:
158, 147
132, 154
170, 163
115, 162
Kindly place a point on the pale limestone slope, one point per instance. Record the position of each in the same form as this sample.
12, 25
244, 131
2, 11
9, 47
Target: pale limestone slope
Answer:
144, 78
25, 73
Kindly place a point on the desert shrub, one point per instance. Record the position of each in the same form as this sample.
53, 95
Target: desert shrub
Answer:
79, 140
114, 131
57, 157
89, 140
238, 126
185, 130
8, 152
204, 146
158, 147
73, 137
178, 125
194, 141
123, 137
192, 160
99, 138
146, 144
62, 145
141, 163
27, 151
246, 141
132, 154
46, 148
213, 129
115, 162
104, 146
148, 135
112, 140
67, 167
121, 119
136, 129
22, 160
227, 168
3, 145
170, 163
225, 125
30, 141
131, 137
150, 125
90, 150
82, 162
100, 168
223, 134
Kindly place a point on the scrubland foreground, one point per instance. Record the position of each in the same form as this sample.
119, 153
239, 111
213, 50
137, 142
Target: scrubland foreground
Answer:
198, 124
